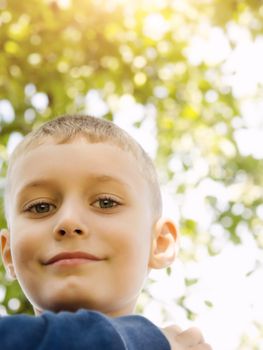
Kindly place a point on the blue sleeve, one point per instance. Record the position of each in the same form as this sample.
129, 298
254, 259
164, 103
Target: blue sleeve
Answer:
89, 330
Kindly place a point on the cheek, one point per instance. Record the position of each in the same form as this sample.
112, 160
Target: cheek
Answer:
24, 247
129, 242
125, 233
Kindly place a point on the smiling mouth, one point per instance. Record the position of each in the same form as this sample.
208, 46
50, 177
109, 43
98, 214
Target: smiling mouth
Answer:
71, 258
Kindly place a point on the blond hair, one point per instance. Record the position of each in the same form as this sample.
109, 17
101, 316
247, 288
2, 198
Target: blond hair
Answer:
65, 128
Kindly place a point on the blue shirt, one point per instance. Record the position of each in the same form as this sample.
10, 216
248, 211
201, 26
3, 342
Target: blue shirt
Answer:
89, 330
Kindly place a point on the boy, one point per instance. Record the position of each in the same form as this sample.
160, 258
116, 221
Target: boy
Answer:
83, 209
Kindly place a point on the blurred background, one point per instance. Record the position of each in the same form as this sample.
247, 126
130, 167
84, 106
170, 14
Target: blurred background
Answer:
185, 78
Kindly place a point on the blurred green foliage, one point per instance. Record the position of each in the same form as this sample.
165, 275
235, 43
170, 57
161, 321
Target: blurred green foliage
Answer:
59, 53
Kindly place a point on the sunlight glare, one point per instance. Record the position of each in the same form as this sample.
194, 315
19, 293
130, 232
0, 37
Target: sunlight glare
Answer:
155, 26
64, 4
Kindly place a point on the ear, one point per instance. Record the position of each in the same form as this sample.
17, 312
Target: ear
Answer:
164, 244
6, 253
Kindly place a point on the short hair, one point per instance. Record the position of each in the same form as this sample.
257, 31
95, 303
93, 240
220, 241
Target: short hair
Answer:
65, 128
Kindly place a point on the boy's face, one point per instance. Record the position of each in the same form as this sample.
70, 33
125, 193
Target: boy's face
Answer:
84, 199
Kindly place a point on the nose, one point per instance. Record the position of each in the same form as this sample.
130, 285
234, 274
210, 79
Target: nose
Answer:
70, 223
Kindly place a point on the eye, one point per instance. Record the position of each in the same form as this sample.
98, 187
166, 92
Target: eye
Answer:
40, 208
105, 203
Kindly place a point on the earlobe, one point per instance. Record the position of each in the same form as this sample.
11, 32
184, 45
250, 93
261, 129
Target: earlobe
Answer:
6, 253
164, 244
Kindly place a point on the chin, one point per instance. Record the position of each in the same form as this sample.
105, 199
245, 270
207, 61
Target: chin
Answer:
71, 305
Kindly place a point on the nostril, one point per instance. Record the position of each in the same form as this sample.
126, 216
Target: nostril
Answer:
63, 232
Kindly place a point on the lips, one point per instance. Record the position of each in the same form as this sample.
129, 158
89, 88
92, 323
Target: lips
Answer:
71, 256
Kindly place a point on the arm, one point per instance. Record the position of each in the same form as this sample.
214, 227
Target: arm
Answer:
87, 330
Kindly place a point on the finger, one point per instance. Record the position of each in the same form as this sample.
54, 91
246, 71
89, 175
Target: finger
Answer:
175, 329
190, 337
171, 333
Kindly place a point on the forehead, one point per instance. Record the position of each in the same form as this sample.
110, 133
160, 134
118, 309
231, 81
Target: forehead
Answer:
74, 162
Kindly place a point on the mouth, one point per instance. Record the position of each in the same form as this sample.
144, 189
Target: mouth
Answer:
72, 258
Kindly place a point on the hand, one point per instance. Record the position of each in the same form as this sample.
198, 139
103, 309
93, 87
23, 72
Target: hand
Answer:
192, 339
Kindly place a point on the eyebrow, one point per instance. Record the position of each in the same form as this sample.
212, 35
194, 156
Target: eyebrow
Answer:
51, 183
